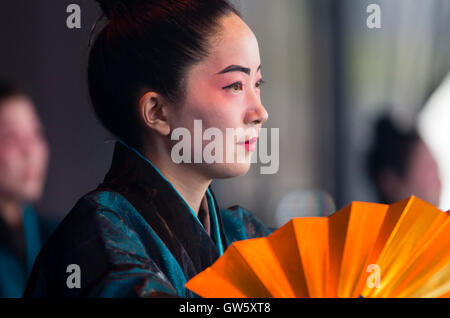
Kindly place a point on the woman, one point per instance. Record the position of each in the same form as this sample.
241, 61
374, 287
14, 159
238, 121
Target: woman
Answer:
23, 164
153, 224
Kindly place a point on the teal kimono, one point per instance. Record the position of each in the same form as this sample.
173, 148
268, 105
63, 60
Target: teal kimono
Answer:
18, 251
135, 236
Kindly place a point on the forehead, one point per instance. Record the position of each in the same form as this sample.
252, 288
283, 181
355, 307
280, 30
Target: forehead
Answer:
236, 44
16, 110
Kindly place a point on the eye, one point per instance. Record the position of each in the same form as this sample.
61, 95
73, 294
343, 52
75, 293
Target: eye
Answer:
235, 87
260, 83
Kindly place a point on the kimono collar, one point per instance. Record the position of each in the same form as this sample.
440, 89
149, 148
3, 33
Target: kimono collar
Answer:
165, 209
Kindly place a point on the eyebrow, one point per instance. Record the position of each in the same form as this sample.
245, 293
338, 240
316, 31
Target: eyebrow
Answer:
237, 68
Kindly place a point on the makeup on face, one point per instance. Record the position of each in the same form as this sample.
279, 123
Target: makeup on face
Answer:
250, 144
239, 85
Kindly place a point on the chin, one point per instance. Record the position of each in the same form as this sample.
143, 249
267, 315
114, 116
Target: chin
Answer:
32, 193
229, 170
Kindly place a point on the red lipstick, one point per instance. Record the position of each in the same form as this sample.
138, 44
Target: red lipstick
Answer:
250, 145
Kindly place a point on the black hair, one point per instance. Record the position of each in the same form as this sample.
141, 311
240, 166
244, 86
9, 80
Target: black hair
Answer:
9, 89
391, 149
147, 45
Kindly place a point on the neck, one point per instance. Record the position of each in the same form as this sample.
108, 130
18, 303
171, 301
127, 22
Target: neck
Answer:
10, 212
188, 182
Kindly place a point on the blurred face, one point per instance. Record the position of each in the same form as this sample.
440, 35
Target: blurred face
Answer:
23, 151
223, 91
422, 178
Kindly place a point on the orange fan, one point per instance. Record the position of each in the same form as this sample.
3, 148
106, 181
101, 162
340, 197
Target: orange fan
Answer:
365, 249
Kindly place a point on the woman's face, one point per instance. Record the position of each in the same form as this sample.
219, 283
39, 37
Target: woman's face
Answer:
422, 178
23, 151
224, 91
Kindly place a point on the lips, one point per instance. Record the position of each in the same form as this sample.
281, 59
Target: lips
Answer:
251, 141
250, 144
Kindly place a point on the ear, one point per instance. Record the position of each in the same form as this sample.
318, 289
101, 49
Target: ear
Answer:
153, 110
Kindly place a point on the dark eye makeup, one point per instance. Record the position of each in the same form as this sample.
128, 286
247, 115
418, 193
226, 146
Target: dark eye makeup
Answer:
240, 86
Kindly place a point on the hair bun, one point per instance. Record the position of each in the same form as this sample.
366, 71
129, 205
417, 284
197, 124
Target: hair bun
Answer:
108, 6
385, 127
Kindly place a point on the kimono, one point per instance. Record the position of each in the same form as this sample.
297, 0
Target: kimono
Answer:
18, 251
135, 236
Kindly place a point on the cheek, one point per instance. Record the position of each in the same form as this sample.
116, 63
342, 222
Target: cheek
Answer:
10, 160
12, 167
421, 170
40, 154
214, 110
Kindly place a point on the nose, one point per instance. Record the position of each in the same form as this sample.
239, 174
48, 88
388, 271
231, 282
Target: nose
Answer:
256, 114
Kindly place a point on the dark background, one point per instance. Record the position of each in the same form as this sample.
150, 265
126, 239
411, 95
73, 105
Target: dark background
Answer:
49, 60
328, 77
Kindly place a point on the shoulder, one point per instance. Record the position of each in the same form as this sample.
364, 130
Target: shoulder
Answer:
240, 224
103, 220
101, 234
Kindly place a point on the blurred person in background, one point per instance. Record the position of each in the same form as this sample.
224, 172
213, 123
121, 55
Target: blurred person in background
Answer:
24, 156
400, 164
